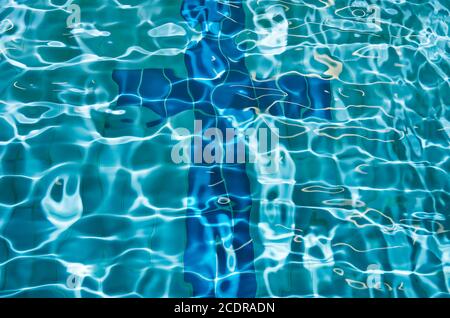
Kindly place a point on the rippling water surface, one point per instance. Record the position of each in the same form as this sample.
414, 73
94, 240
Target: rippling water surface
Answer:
92, 204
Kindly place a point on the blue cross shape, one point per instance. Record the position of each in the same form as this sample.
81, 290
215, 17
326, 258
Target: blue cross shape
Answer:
219, 83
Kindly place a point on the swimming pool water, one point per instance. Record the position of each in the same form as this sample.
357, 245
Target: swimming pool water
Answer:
93, 95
